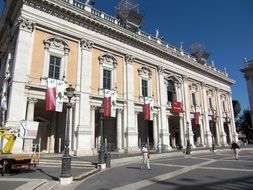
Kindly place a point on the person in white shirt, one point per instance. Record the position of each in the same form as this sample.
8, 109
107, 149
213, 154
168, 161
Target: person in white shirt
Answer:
145, 154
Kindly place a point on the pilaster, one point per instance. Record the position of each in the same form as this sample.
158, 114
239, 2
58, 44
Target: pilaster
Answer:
21, 68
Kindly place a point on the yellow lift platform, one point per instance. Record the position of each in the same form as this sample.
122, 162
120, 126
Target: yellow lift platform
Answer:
11, 161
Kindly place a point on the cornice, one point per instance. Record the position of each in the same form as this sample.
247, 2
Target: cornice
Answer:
83, 18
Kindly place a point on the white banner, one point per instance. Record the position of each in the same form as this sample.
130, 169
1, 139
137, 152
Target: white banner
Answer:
113, 103
60, 87
28, 129
4, 103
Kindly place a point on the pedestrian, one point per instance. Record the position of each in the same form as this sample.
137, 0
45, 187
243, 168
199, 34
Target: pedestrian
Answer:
146, 156
235, 147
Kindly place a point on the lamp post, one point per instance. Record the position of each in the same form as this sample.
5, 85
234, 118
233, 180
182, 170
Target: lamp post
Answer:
214, 118
101, 152
66, 175
188, 146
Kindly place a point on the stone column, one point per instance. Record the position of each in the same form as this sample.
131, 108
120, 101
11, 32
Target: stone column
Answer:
119, 130
93, 127
181, 128
206, 126
220, 121
131, 130
163, 120
187, 111
27, 145
84, 132
232, 122
21, 68
155, 130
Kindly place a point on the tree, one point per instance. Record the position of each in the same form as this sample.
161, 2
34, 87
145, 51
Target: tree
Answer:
236, 107
244, 124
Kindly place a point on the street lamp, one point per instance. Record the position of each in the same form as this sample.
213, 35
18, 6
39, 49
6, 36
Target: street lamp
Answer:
188, 146
101, 152
214, 118
66, 175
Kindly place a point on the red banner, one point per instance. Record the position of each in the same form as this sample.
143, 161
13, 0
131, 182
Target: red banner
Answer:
146, 110
176, 107
196, 118
107, 107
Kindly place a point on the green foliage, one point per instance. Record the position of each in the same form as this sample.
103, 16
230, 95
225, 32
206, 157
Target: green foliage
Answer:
236, 107
244, 124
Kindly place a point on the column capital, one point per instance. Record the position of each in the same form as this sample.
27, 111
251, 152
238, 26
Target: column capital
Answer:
86, 44
25, 24
32, 100
161, 70
119, 111
185, 78
129, 58
93, 107
203, 84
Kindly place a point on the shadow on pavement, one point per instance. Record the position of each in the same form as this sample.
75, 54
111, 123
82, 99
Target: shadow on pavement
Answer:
52, 177
244, 183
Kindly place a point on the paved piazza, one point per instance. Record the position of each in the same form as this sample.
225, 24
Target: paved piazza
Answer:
214, 171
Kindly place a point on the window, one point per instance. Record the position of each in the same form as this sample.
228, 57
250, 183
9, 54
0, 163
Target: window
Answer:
107, 72
144, 85
170, 91
210, 102
107, 79
54, 67
224, 106
56, 58
194, 99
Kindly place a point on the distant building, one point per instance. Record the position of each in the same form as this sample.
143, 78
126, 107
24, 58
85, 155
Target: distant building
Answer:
248, 75
164, 96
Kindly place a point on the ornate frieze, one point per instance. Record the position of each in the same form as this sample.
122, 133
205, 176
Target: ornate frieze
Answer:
86, 44
25, 24
145, 71
108, 59
57, 42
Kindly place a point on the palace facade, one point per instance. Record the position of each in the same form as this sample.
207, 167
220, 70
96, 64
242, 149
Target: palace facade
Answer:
247, 71
72, 41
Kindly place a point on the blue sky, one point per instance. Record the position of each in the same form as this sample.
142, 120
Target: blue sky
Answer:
225, 27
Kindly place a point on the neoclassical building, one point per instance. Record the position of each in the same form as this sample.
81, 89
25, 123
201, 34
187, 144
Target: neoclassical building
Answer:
247, 70
72, 41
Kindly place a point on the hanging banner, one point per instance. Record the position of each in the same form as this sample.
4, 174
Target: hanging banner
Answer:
113, 103
107, 103
50, 94
4, 103
60, 87
196, 118
146, 108
54, 95
176, 107
151, 103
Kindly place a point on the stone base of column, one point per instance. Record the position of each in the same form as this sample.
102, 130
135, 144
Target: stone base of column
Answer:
224, 139
102, 166
66, 180
208, 138
120, 150
84, 152
133, 149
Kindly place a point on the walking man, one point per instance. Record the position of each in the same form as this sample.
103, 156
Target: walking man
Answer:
145, 154
235, 147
